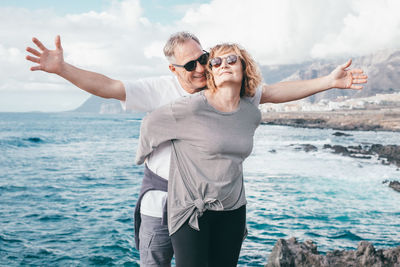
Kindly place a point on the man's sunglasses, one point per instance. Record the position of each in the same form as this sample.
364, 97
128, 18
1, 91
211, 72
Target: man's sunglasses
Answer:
217, 61
191, 65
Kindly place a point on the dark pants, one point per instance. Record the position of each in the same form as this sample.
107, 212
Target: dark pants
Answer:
217, 243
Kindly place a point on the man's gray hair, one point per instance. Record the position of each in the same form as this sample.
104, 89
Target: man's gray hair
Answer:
175, 40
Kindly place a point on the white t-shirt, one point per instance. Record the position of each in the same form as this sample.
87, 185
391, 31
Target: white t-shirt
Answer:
146, 95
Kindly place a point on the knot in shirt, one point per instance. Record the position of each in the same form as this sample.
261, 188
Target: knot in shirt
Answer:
200, 205
207, 204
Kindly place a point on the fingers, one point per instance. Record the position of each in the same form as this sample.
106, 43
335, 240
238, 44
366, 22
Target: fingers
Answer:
357, 87
33, 59
361, 77
33, 51
346, 65
358, 81
38, 44
356, 71
358, 76
58, 42
36, 68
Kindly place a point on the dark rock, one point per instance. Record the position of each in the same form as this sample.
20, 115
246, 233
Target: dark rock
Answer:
341, 134
308, 148
340, 150
299, 121
296, 122
305, 147
395, 185
291, 253
391, 153
360, 157
35, 140
359, 148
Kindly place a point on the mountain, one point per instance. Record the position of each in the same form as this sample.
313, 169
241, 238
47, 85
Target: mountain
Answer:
382, 68
277, 73
96, 104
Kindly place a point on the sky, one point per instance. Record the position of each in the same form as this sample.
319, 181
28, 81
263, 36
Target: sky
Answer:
123, 39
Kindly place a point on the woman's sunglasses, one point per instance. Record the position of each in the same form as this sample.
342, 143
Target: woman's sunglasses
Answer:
217, 61
191, 65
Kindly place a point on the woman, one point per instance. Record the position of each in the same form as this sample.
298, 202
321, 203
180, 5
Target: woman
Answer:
211, 133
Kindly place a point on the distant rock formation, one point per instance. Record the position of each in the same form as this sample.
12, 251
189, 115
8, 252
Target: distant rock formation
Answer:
288, 253
100, 105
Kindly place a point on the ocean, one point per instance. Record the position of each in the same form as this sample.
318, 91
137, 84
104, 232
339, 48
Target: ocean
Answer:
68, 188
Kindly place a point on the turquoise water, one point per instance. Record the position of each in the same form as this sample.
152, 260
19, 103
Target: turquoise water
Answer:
68, 186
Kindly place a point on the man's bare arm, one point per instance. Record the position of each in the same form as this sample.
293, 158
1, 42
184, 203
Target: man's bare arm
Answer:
52, 61
293, 90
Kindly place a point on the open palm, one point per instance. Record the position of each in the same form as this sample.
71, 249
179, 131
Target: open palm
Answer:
348, 79
49, 60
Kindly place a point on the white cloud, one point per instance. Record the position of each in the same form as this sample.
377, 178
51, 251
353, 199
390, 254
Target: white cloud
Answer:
9, 54
289, 31
372, 26
112, 42
123, 44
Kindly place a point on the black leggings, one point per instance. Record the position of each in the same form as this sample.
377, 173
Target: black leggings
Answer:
217, 243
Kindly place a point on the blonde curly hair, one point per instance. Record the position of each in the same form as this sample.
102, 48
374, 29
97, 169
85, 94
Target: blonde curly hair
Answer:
251, 72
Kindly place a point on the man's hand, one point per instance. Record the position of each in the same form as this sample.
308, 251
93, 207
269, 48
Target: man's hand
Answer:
52, 61
49, 60
347, 79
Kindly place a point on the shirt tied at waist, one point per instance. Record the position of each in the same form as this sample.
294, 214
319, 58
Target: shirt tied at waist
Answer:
200, 207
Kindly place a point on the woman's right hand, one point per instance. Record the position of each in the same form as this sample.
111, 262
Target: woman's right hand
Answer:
51, 61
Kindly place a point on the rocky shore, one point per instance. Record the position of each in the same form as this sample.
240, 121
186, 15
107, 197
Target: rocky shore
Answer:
363, 120
386, 154
287, 253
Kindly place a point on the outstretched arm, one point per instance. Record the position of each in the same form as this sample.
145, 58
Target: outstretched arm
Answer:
52, 61
293, 90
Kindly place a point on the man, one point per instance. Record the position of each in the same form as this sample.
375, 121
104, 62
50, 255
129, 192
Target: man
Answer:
187, 62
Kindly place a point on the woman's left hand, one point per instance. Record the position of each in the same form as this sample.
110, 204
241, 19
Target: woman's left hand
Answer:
347, 79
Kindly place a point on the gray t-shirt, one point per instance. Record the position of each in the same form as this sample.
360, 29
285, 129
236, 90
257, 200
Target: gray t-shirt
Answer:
208, 149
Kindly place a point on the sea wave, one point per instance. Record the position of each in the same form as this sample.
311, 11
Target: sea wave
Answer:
346, 234
22, 141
